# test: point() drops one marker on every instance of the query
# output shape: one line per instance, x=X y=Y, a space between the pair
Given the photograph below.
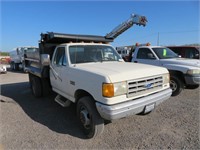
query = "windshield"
x=164 y=53
x=92 y=53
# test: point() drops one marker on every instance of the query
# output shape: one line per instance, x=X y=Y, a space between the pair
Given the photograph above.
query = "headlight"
x=193 y=72
x=166 y=78
x=114 y=89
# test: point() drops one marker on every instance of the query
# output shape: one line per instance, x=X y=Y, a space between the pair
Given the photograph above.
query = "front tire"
x=176 y=85
x=90 y=120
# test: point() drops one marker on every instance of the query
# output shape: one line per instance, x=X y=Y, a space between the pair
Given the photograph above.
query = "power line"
x=183 y=31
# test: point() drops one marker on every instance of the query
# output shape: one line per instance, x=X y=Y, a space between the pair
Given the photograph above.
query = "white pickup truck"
x=183 y=72
x=92 y=75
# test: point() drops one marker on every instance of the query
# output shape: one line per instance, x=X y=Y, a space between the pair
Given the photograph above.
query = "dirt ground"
x=30 y=123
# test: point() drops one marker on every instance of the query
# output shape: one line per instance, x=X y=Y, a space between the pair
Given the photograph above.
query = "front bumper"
x=131 y=107
x=192 y=80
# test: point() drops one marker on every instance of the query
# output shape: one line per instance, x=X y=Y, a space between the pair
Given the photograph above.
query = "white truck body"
x=187 y=70
x=17 y=57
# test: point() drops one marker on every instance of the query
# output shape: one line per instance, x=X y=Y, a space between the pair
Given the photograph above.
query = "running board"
x=62 y=101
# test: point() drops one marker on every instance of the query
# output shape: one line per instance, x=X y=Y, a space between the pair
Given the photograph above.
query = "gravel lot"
x=30 y=123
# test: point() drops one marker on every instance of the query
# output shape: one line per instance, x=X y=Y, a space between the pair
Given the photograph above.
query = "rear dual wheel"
x=36 y=85
x=39 y=86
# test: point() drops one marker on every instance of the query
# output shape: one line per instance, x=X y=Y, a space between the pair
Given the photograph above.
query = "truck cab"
x=183 y=72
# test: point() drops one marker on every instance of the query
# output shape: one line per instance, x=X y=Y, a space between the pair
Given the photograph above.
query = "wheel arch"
x=81 y=93
x=178 y=74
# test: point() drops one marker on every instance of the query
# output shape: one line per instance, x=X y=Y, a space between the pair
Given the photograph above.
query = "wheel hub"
x=85 y=120
x=173 y=85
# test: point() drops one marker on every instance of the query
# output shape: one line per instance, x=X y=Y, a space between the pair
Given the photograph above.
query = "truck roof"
x=150 y=46
x=59 y=38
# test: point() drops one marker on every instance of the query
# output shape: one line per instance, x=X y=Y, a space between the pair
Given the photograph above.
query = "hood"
x=122 y=71
x=182 y=61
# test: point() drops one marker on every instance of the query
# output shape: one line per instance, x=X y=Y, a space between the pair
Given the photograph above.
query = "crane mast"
x=134 y=19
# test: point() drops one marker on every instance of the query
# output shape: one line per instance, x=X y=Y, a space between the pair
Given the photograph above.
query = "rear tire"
x=90 y=120
x=30 y=79
x=11 y=66
x=46 y=87
x=36 y=86
x=176 y=85
x=16 y=66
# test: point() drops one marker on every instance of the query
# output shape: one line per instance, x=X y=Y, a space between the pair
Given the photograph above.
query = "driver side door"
x=146 y=56
x=58 y=65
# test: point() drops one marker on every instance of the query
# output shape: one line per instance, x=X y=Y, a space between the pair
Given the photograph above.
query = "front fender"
x=175 y=67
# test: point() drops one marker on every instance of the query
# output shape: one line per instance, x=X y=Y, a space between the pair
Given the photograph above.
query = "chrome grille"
x=144 y=86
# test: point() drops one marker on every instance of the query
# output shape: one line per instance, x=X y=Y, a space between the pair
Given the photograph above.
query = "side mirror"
x=196 y=56
x=45 y=59
x=150 y=56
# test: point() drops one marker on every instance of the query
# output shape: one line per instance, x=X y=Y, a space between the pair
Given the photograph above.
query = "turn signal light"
x=108 y=90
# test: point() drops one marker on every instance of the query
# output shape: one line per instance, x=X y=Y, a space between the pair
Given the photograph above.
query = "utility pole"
x=158 y=39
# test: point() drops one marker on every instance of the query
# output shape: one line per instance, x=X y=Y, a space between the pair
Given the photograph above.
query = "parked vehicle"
x=127 y=51
x=17 y=57
x=3 y=68
x=124 y=52
x=183 y=72
x=186 y=51
x=87 y=71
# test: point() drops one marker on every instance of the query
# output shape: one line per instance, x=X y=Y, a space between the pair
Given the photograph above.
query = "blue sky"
x=177 y=22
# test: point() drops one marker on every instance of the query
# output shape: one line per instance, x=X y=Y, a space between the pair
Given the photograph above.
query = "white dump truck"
x=17 y=57
x=87 y=71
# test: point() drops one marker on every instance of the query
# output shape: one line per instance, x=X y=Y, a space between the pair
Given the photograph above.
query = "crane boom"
x=134 y=19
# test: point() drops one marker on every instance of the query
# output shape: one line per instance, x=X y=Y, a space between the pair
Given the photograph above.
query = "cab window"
x=190 y=52
x=60 y=57
x=145 y=53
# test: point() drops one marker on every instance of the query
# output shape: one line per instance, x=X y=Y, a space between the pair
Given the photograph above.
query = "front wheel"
x=90 y=120
x=176 y=85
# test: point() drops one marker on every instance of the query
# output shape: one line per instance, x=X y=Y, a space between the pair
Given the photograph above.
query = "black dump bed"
x=50 y=40
x=52 y=37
